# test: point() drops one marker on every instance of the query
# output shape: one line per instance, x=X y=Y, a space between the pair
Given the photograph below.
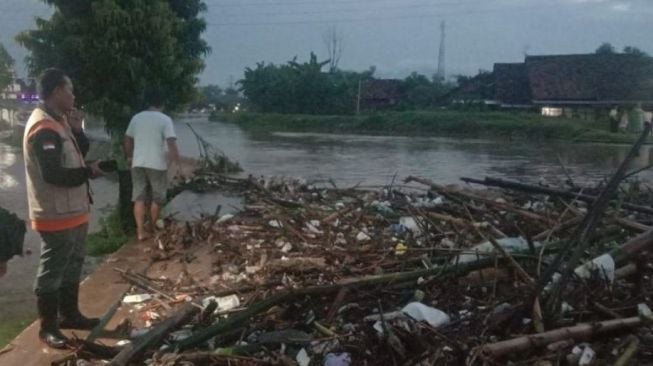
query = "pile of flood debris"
x=415 y=273
x=409 y=274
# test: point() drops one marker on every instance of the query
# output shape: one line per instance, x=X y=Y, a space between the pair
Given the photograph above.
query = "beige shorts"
x=149 y=185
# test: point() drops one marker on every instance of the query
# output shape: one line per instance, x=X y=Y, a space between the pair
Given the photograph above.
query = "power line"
x=295 y=3
x=347 y=10
x=367 y=19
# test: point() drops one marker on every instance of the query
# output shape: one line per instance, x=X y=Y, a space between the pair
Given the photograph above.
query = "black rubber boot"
x=48 y=307
x=71 y=317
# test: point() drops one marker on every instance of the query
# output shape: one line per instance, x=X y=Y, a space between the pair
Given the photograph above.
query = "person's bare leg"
x=139 y=215
x=155 y=210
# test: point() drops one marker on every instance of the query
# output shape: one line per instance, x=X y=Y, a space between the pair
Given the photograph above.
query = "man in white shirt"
x=145 y=148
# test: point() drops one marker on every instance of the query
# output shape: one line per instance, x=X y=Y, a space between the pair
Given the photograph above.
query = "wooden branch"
x=236 y=320
x=499 y=205
x=580 y=240
x=210 y=358
x=135 y=349
x=632 y=225
x=629 y=352
x=580 y=331
x=144 y=283
x=104 y=320
x=518 y=186
x=633 y=247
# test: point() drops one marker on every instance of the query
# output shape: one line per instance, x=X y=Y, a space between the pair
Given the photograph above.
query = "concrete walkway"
x=98 y=292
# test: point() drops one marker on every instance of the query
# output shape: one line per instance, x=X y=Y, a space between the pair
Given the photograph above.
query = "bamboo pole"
x=579 y=331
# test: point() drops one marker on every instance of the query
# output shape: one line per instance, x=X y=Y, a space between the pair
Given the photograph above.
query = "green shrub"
x=109 y=239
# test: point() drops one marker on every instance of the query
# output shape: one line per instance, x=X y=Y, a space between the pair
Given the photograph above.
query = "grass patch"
x=110 y=238
x=10 y=328
x=507 y=125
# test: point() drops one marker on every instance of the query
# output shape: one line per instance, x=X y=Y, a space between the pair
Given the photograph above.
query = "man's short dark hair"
x=154 y=98
x=49 y=80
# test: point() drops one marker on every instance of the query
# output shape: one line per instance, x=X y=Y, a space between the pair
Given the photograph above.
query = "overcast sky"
x=396 y=36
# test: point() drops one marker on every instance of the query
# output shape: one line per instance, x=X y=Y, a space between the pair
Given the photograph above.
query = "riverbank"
x=502 y=125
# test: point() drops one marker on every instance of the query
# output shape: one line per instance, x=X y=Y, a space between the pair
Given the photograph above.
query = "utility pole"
x=441 y=56
x=358 y=98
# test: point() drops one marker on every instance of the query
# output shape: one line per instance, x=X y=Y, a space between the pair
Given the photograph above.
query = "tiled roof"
x=590 y=77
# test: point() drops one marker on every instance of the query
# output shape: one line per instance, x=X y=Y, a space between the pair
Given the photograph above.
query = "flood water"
x=376 y=160
x=347 y=159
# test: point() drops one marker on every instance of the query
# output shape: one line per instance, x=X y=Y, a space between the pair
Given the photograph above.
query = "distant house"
x=575 y=81
x=380 y=93
x=20 y=89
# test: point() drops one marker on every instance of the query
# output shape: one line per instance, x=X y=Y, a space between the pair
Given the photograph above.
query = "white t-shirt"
x=150 y=129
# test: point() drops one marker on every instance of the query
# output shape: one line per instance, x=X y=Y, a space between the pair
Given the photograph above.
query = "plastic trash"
x=314 y=228
x=410 y=223
x=135 y=299
x=362 y=236
x=287 y=247
x=514 y=244
x=275 y=223
x=337 y=359
x=302 y=358
x=400 y=249
x=180 y=335
x=224 y=218
x=224 y=303
x=398 y=228
x=421 y=312
x=587 y=354
x=603 y=265
x=383 y=208
x=643 y=311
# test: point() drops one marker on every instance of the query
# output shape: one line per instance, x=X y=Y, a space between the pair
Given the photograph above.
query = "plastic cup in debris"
x=224 y=303
x=337 y=359
x=135 y=299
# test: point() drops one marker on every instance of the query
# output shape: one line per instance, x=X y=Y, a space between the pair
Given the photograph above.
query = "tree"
x=334 y=42
x=114 y=50
x=301 y=88
x=605 y=48
x=630 y=50
x=6 y=64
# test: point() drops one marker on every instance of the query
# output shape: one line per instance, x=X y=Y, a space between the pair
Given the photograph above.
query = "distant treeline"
x=314 y=88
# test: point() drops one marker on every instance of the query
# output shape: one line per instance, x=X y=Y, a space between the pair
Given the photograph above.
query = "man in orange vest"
x=54 y=146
